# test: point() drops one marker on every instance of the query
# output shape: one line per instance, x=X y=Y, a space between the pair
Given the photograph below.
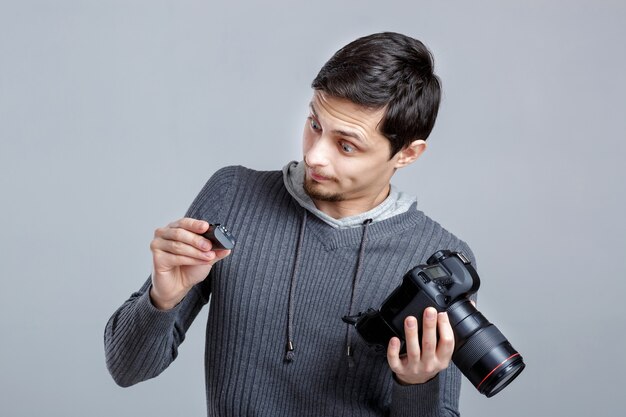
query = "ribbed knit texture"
x=246 y=373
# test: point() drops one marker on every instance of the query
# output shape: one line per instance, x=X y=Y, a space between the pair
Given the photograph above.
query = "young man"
x=327 y=237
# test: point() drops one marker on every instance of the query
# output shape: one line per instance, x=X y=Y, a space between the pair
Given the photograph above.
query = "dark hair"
x=387 y=70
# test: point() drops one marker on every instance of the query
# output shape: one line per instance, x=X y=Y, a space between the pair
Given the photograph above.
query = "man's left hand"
x=420 y=365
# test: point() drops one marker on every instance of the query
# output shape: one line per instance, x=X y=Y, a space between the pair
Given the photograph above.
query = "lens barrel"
x=482 y=352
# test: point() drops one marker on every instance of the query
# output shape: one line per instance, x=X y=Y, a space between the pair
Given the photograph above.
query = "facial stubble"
x=312 y=188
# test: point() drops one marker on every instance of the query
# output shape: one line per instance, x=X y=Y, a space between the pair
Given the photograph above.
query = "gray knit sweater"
x=291 y=277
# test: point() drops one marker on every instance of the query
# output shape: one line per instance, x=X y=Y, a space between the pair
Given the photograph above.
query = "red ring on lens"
x=494 y=369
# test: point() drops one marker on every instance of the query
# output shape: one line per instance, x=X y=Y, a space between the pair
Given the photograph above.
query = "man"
x=325 y=238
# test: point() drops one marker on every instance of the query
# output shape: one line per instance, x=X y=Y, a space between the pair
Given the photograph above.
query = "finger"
x=161 y=246
x=221 y=254
x=177 y=234
x=445 y=345
x=193 y=225
x=411 y=337
x=393 y=355
x=429 y=334
x=166 y=260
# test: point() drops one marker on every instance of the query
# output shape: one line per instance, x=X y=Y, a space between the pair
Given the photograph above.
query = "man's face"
x=347 y=158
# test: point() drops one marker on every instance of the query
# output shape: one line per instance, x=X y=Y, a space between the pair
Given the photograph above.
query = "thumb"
x=221 y=254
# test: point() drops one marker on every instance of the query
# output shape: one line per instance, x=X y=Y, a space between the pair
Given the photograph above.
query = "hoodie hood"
x=396 y=202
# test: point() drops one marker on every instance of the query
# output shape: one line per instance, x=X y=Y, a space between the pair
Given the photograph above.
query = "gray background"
x=114 y=113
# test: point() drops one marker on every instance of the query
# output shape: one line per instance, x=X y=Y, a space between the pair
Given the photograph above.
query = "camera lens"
x=482 y=353
x=501 y=375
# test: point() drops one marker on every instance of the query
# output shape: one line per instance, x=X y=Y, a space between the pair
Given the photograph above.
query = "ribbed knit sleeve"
x=140 y=340
x=438 y=397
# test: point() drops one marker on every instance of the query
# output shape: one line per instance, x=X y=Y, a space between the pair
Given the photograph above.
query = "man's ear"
x=409 y=154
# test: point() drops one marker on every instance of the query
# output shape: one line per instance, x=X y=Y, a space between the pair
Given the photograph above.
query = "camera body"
x=446 y=283
x=448 y=277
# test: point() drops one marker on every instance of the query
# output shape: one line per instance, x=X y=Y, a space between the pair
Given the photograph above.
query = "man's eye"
x=347 y=148
x=314 y=124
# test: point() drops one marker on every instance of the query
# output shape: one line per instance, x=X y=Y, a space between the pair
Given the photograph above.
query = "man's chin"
x=316 y=192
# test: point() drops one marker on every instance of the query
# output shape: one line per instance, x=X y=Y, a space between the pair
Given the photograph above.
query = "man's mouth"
x=317 y=176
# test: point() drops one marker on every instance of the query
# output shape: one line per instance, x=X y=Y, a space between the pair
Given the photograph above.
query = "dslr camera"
x=481 y=351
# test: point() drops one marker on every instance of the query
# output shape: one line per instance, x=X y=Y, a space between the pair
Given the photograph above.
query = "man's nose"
x=318 y=153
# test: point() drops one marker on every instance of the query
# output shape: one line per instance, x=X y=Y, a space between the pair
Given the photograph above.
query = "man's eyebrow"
x=340 y=132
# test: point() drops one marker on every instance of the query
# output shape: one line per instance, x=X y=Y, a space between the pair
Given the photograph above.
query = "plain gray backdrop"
x=114 y=113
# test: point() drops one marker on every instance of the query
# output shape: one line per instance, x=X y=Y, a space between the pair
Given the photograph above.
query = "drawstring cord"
x=355 y=278
x=289 y=353
x=292 y=283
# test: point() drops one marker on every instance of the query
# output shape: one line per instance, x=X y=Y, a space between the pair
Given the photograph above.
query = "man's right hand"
x=181 y=257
